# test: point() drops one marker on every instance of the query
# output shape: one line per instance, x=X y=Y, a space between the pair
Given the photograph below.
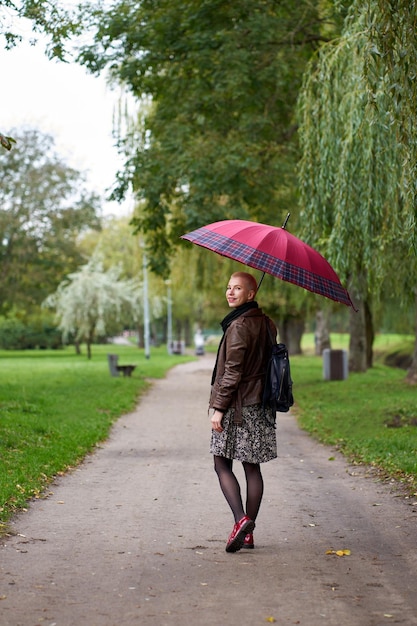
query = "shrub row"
x=36 y=333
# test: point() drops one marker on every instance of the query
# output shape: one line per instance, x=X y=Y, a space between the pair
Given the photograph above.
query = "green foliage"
x=34 y=331
x=55 y=407
x=12 y=333
x=117 y=244
x=358 y=147
x=43 y=208
x=218 y=140
x=359 y=159
x=391 y=57
x=53 y=19
x=89 y=300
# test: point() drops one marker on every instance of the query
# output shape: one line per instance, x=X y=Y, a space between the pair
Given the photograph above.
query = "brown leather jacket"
x=242 y=363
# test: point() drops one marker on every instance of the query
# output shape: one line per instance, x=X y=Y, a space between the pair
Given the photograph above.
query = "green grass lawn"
x=370 y=417
x=55 y=406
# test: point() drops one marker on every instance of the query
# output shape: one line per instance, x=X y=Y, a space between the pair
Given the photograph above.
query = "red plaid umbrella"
x=274 y=251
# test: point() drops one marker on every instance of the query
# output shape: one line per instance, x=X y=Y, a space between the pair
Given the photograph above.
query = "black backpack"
x=278 y=383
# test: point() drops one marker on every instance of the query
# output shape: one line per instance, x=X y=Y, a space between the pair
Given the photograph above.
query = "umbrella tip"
x=286 y=220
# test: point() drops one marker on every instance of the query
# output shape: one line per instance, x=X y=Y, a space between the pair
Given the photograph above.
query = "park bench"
x=115 y=369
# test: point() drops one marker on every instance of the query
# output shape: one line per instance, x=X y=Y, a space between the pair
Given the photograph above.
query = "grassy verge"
x=55 y=406
x=370 y=417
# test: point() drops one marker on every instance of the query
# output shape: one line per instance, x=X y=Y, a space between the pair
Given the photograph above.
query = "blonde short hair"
x=249 y=280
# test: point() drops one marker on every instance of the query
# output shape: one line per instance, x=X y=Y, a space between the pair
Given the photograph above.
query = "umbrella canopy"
x=275 y=251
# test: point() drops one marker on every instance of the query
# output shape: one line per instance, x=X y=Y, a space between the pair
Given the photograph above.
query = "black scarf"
x=225 y=323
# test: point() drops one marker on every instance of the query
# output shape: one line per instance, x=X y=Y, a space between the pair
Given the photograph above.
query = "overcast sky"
x=67 y=103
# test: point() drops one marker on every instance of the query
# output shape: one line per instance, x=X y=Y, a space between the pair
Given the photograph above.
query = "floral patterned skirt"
x=253 y=441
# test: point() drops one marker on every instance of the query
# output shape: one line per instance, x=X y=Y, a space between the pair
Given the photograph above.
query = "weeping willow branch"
x=358 y=166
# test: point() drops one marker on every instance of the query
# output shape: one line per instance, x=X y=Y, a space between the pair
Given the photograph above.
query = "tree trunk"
x=412 y=372
x=141 y=336
x=187 y=332
x=322 y=334
x=90 y=340
x=369 y=334
x=357 y=342
x=291 y=331
x=154 y=334
x=77 y=347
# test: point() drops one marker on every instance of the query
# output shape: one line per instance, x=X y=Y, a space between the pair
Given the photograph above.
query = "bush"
x=12 y=332
x=37 y=332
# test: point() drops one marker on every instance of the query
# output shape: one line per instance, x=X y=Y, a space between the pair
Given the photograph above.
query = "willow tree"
x=358 y=163
x=91 y=300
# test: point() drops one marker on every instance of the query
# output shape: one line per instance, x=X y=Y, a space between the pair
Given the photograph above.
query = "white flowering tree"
x=92 y=298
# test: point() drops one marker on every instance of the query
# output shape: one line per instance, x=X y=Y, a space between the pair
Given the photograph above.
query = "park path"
x=136 y=534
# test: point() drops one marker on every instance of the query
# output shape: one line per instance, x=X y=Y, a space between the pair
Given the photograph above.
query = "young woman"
x=242 y=429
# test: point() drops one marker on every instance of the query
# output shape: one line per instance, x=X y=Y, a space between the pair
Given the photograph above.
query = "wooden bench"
x=126 y=369
x=115 y=369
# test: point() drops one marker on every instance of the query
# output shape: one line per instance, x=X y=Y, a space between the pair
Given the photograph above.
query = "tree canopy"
x=358 y=166
x=91 y=299
x=56 y=20
x=358 y=150
x=44 y=206
x=219 y=82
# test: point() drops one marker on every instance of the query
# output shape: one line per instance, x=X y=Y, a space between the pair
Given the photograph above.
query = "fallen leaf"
x=6 y=142
x=339 y=552
x=270 y=619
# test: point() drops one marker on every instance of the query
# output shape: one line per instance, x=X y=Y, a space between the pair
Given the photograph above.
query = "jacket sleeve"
x=226 y=384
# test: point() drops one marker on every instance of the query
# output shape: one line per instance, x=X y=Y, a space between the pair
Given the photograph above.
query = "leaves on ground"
x=339 y=552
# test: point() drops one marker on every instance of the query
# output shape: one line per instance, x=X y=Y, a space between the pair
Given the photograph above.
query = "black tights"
x=231 y=488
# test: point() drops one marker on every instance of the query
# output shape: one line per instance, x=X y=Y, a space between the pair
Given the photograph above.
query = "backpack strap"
x=268 y=328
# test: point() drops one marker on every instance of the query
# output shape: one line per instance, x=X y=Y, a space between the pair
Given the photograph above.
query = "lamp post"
x=169 y=317
x=146 y=333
